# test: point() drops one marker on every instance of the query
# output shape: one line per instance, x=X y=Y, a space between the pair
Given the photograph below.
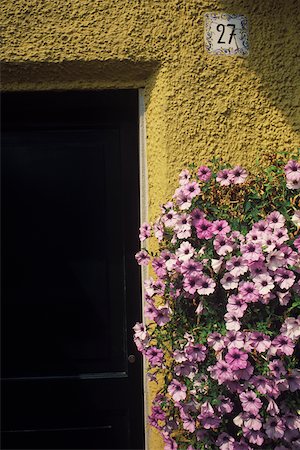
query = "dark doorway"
x=70 y=285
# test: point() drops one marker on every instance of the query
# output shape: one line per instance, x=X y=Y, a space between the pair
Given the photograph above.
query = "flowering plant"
x=222 y=313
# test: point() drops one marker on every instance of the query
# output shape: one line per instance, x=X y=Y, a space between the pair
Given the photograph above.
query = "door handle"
x=131 y=359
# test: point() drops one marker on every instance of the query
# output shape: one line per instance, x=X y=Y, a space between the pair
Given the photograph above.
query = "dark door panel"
x=63 y=423
x=69 y=281
x=62 y=262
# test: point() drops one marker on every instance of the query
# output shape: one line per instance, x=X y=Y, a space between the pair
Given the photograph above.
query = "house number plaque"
x=226 y=34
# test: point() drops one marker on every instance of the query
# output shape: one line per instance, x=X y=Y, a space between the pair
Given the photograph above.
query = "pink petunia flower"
x=182 y=227
x=272 y=407
x=261 y=226
x=221 y=372
x=220 y=227
x=204 y=173
x=282 y=345
x=268 y=241
x=171 y=261
x=275 y=428
x=158 y=230
x=250 y=402
x=292 y=167
x=297 y=243
x=196 y=216
x=225 y=442
x=143 y=258
x=237 y=305
x=284 y=298
x=155 y=356
x=248 y=291
x=251 y=251
x=281 y=235
x=216 y=264
x=170 y=218
x=196 y=352
x=254 y=236
x=186 y=369
x=184 y=176
x=206 y=285
x=159 y=266
x=162 y=315
x=207 y=417
x=191 y=189
x=188 y=423
x=263 y=385
x=215 y=341
x=191 y=268
x=204 y=229
x=275 y=220
x=179 y=356
x=291 y=328
x=293 y=180
x=192 y=283
x=234 y=339
x=277 y=368
x=293 y=379
x=238 y=175
x=223 y=245
x=177 y=390
x=224 y=177
x=145 y=231
x=150 y=311
x=284 y=278
x=226 y=405
x=237 y=266
x=291 y=257
x=232 y=322
x=183 y=200
x=259 y=341
x=263 y=283
x=236 y=359
x=258 y=267
x=229 y=281
x=275 y=259
x=185 y=251
x=159 y=287
x=253 y=421
x=254 y=437
x=292 y=421
x=246 y=373
x=140 y=331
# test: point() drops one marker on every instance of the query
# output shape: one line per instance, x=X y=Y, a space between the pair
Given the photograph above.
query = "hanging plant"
x=223 y=309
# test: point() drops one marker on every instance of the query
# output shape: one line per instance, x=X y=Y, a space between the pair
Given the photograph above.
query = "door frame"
x=143 y=177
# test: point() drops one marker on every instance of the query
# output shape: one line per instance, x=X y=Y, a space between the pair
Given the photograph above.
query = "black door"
x=70 y=285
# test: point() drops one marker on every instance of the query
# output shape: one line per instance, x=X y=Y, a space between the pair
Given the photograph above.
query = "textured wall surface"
x=197 y=105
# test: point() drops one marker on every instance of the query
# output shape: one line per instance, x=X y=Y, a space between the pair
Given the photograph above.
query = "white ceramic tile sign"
x=226 y=34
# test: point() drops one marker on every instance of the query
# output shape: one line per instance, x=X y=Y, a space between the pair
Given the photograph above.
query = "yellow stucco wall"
x=197 y=105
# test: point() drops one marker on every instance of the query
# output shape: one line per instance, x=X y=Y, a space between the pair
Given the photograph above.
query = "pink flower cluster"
x=292 y=173
x=222 y=324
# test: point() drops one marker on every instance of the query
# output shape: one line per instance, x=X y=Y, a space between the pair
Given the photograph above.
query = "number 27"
x=221 y=29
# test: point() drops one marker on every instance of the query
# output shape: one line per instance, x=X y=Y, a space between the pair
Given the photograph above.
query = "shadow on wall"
x=274 y=50
x=76 y=74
